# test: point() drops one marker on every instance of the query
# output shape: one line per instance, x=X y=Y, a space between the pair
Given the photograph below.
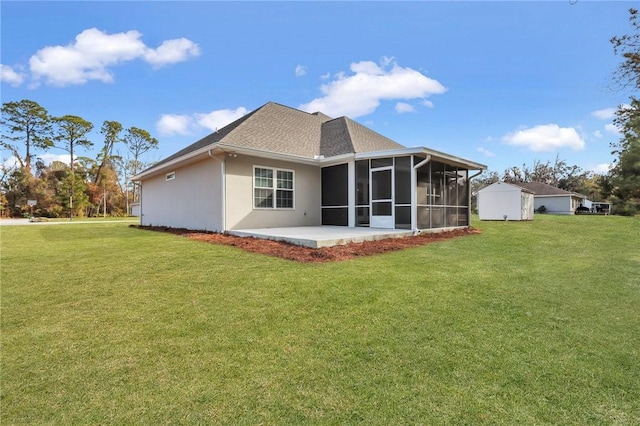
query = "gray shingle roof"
x=540 y=188
x=280 y=129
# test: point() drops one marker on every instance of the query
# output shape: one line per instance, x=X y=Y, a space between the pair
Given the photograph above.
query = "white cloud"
x=301 y=70
x=546 y=137
x=486 y=152
x=175 y=124
x=360 y=93
x=94 y=52
x=402 y=107
x=597 y=134
x=10 y=162
x=601 y=168
x=217 y=119
x=49 y=158
x=171 y=52
x=325 y=76
x=604 y=114
x=612 y=128
x=11 y=76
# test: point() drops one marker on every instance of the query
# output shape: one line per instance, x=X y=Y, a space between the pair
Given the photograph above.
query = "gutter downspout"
x=414 y=193
x=223 y=185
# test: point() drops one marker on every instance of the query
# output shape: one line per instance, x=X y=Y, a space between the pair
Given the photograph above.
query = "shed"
x=504 y=201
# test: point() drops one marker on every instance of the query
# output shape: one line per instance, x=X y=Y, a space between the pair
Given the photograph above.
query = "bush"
x=625 y=207
x=541 y=209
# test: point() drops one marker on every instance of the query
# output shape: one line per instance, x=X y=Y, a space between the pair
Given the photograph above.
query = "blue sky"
x=500 y=83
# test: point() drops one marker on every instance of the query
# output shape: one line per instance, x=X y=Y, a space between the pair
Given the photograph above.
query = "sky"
x=500 y=83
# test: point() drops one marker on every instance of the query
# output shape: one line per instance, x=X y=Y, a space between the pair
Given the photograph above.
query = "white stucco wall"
x=499 y=200
x=554 y=205
x=191 y=200
x=240 y=213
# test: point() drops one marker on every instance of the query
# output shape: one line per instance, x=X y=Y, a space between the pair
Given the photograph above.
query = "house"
x=281 y=167
x=504 y=201
x=555 y=200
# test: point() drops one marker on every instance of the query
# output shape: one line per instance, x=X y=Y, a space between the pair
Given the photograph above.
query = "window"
x=170 y=176
x=272 y=188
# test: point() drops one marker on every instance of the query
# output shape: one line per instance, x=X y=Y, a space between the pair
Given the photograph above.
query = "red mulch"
x=306 y=254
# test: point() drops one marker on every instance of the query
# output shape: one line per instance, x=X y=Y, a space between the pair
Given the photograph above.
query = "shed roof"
x=505 y=185
x=544 y=189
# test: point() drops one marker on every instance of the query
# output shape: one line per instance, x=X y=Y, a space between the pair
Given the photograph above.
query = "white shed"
x=504 y=201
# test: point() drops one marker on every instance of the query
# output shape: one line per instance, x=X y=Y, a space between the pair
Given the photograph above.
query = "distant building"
x=555 y=200
x=504 y=201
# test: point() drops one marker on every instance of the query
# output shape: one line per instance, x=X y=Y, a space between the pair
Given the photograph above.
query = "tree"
x=138 y=142
x=625 y=173
x=111 y=131
x=628 y=72
x=25 y=123
x=71 y=131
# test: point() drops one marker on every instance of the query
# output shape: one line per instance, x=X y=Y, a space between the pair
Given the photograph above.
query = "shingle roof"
x=280 y=129
x=540 y=188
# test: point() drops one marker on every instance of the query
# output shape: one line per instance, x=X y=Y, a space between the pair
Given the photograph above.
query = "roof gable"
x=504 y=186
x=280 y=129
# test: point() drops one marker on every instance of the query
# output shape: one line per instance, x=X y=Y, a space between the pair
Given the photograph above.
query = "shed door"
x=382 y=198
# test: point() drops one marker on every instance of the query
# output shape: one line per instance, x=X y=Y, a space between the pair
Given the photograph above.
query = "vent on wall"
x=170 y=176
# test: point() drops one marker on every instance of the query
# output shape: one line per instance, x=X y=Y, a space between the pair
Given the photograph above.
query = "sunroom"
x=414 y=189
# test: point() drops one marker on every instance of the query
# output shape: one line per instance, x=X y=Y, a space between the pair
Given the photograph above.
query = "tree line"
x=84 y=187
x=621 y=185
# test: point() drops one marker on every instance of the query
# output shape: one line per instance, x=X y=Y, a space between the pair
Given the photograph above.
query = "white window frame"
x=274 y=188
x=170 y=176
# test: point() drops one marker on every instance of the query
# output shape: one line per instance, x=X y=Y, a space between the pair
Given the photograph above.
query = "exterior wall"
x=191 y=200
x=240 y=213
x=554 y=205
x=528 y=206
x=499 y=200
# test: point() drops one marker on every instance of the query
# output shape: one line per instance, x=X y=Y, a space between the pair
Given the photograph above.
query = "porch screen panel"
x=463 y=216
x=335 y=186
x=362 y=193
x=436 y=189
x=424 y=217
x=463 y=188
x=442 y=196
x=335 y=195
x=362 y=216
x=335 y=216
x=362 y=182
x=381 y=162
x=403 y=217
x=403 y=180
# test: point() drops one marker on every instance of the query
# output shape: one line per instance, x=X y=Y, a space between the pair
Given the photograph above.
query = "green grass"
x=528 y=323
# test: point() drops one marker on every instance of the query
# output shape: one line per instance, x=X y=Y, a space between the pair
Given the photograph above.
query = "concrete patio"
x=322 y=236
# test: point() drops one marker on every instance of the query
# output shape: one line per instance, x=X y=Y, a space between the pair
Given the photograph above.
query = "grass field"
x=526 y=323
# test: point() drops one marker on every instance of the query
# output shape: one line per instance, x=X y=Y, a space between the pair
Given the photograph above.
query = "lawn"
x=527 y=323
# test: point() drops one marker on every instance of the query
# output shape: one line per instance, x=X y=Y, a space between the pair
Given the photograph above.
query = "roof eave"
x=471 y=165
x=267 y=154
x=171 y=164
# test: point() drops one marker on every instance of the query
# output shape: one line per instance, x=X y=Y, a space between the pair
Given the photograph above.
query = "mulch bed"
x=310 y=255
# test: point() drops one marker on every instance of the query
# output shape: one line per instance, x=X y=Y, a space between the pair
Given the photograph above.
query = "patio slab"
x=322 y=236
